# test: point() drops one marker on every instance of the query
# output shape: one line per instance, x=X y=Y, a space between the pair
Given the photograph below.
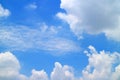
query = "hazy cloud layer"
x=92 y=17
x=40 y=38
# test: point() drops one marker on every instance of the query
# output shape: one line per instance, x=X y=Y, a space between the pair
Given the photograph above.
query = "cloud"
x=102 y=66
x=43 y=38
x=92 y=17
x=31 y=6
x=39 y=75
x=4 y=12
x=62 y=72
x=9 y=67
x=59 y=73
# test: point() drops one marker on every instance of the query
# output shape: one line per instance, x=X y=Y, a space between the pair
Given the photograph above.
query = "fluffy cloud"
x=62 y=72
x=38 y=75
x=102 y=66
x=42 y=38
x=9 y=67
x=59 y=73
x=92 y=17
x=4 y=12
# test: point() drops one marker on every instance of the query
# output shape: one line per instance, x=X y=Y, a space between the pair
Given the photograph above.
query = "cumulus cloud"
x=102 y=65
x=39 y=75
x=59 y=73
x=4 y=12
x=62 y=72
x=42 y=38
x=9 y=67
x=92 y=17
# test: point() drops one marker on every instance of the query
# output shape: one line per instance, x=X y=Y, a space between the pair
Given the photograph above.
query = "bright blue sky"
x=41 y=32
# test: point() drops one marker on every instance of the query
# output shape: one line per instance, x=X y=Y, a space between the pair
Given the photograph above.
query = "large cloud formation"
x=101 y=66
x=92 y=17
x=10 y=67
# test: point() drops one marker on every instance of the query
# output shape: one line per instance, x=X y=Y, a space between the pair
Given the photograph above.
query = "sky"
x=59 y=40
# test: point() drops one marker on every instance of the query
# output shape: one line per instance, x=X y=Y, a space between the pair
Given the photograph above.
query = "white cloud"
x=102 y=66
x=42 y=38
x=39 y=75
x=4 y=12
x=62 y=72
x=59 y=73
x=9 y=67
x=31 y=6
x=116 y=74
x=93 y=17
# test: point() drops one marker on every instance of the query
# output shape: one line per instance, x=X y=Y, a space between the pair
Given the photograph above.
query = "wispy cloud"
x=31 y=6
x=42 y=38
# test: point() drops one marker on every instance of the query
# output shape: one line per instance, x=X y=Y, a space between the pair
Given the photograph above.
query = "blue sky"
x=59 y=40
